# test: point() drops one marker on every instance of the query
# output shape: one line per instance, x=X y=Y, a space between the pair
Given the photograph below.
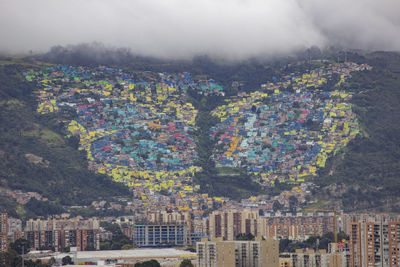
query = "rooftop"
x=141 y=253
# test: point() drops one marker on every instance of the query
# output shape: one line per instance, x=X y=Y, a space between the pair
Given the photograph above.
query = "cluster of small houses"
x=20 y=196
x=133 y=127
x=136 y=127
x=285 y=134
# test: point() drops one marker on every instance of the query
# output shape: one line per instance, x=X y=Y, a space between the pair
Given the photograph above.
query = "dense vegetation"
x=13 y=256
x=186 y=263
x=238 y=184
x=150 y=263
x=368 y=170
x=313 y=242
x=119 y=240
x=34 y=155
x=8 y=205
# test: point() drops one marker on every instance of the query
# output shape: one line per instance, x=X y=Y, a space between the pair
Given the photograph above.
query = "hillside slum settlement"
x=287 y=130
x=138 y=127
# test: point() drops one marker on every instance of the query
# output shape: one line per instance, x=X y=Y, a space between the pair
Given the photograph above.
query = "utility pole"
x=23 y=255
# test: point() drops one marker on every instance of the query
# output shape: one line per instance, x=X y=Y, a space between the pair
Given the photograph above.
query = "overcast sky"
x=184 y=28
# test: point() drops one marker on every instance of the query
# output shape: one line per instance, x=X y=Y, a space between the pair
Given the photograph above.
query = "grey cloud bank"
x=185 y=28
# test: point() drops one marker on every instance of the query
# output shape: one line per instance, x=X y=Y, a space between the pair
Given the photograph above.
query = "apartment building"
x=346 y=219
x=228 y=224
x=3 y=232
x=218 y=253
x=298 y=226
x=57 y=234
x=375 y=243
x=14 y=226
x=168 y=217
x=312 y=258
x=160 y=234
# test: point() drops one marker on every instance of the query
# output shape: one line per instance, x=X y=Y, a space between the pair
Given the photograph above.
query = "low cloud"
x=234 y=29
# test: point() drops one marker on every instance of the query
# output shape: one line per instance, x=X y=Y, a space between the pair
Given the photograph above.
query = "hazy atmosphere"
x=159 y=133
x=183 y=28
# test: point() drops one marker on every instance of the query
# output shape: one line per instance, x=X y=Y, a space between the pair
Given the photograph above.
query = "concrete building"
x=58 y=234
x=3 y=232
x=56 y=240
x=293 y=226
x=375 y=243
x=228 y=224
x=14 y=226
x=285 y=262
x=159 y=235
x=168 y=217
x=298 y=226
x=345 y=219
x=218 y=253
x=55 y=224
x=311 y=258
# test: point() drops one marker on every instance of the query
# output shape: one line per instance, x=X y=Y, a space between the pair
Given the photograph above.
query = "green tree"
x=10 y=258
x=66 y=260
x=150 y=263
x=248 y=236
x=127 y=246
x=90 y=248
x=186 y=263
x=277 y=206
x=119 y=240
x=293 y=202
x=19 y=245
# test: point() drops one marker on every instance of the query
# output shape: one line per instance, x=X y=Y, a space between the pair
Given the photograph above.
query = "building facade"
x=3 y=232
x=298 y=226
x=59 y=234
x=294 y=226
x=14 y=226
x=159 y=235
x=375 y=243
x=261 y=253
x=345 y=219
x=228 y=224
x=320 y=258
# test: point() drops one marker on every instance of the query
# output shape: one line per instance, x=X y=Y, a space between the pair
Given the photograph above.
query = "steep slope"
x=363 y=175
x=366 y=175
x=35 y=156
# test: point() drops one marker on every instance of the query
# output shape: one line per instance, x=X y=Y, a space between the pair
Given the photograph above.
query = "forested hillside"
x=367 y=172
x=34 y=155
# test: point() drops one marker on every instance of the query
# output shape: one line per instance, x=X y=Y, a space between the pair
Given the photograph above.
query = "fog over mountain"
x=234 y=29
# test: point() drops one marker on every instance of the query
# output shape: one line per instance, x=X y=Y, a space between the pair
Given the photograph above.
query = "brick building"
x=298 y=226
x=58 y=234
x=375 y=243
